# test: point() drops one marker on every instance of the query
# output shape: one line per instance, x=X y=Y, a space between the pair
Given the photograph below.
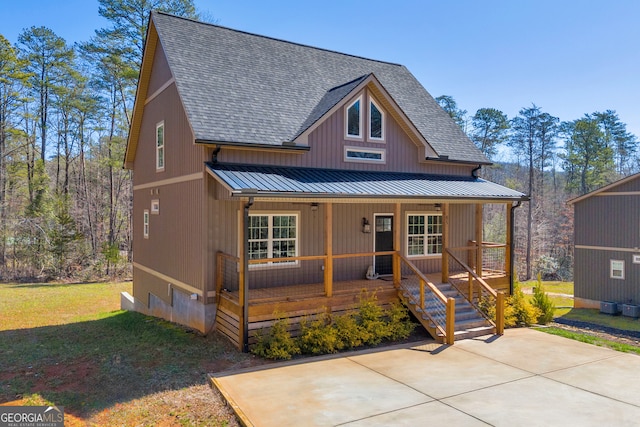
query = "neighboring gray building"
x=607 y=244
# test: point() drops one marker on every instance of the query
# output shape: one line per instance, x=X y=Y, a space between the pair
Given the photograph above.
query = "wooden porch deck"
x=296 y=302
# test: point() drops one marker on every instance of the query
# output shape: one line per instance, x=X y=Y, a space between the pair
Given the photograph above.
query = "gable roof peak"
x=247 y=33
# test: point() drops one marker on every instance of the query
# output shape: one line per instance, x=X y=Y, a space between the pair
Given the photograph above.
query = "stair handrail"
x=499 y=296
x=448 y=330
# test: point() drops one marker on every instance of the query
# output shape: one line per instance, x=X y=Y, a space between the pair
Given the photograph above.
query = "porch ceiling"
x=312 y=183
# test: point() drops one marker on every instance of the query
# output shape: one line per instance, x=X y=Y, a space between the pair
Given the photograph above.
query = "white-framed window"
x=358 y=154
x=636 y=259
x=273 y=235
x=155 y=207
x=353 y=119
x=145 y=224
x=424 y=234
x=616 y=269
x=160 y=157
x=376 y=122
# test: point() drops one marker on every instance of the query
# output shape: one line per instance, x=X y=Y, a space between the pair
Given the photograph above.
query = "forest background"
x=65 y=200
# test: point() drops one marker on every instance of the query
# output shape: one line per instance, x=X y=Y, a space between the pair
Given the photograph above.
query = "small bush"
x=277 y=343
x=318 y=336
x=543 y=303
x=370 y=318
x=350 y=334
x=518 y=311
x=400 y=324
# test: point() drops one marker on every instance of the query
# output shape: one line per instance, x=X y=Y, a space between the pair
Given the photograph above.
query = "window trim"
x=423 y=255
x=360 y=119
x=267 y=264
x=380 y=151
x=145 y=224
x=611 y=269
x=636 y=259
x=161 y=147
x=382 y=121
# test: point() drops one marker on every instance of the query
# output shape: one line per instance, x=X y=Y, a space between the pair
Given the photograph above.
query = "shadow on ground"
x=90 y=366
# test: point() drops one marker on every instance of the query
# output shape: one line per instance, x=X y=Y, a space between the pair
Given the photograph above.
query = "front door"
x=384 y=242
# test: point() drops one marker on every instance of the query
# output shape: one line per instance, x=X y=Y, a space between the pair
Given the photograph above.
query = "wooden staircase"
x=469 y=322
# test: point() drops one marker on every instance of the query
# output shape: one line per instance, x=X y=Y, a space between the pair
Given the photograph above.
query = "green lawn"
x=594 y=316
x=552 y=287
x=70 y=345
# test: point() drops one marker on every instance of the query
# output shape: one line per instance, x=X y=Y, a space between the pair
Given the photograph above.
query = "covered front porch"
x=321 y=250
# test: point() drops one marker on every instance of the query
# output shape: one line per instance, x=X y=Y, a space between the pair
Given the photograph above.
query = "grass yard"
x=70 y=345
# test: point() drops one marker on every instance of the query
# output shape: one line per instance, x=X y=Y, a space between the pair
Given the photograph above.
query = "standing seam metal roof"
x=310 y=182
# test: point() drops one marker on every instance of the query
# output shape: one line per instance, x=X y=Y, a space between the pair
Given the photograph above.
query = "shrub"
x=400 y=324
x=518 y=311
x=349 y=333
x=370 y=318
x=543 y=303
x=318 y=336
x=277 y=343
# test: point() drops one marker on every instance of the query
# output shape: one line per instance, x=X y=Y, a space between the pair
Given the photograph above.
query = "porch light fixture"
x=437 y=207
x=366 y=227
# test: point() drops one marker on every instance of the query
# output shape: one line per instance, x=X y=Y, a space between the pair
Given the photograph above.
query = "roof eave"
x=286 y=146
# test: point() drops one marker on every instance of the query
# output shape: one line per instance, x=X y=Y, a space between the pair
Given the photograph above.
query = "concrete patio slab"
x=533 y=351
x=617 y=377
x=524 y=378
x=440 y=372
x=437 y=414
x=540 y=401
x=326 y=392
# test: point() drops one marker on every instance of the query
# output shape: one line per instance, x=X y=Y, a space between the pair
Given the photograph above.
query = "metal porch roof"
x=296 y=182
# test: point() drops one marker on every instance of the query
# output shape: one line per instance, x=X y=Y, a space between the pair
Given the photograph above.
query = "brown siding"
x=174 y=246
x=161 y=72
x=327 y=144
x=182 y=156
x=225 y=217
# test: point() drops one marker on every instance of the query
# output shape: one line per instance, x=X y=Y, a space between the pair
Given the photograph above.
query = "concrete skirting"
x=183 y=310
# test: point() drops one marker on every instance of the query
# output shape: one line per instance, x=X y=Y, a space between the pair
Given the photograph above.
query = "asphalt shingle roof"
x=312 y=182
x=245 y=88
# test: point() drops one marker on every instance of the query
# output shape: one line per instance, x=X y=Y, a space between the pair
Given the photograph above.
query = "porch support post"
x=479 y=239
x=445 y=242
x=328 y=249
x=397 y=229
x=243 y=291
x=507 y=250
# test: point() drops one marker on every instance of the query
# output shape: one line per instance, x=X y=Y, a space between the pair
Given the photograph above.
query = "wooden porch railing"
x=485 y=293
x=439 y=310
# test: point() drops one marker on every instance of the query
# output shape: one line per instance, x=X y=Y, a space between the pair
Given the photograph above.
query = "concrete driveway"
x=524 y=378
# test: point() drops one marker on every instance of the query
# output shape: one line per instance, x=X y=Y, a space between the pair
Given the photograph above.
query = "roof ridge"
x=274 y=38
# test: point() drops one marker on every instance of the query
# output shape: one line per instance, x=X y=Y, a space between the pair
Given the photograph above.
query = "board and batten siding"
x=174 y=253
x=607 y=227
x=161 y=73
x=225 y=220
x=593 y=281
x=182 y=156
x=327 y=150
x=175 y=244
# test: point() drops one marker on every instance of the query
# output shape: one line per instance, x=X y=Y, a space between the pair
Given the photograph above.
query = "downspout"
x=245 y=285
x=474 y=172
x=512 y=243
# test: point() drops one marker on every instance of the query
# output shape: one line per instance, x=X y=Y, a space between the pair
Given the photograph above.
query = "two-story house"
x=272 y=176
